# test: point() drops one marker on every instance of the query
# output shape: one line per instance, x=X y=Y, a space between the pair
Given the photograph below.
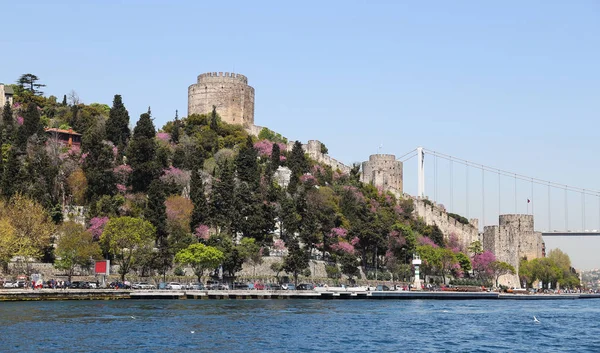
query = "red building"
x=65 y=137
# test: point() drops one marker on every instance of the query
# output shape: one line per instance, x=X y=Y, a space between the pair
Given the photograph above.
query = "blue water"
x=300 y=326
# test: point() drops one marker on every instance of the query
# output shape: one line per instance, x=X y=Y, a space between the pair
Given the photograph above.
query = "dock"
x=120 y=294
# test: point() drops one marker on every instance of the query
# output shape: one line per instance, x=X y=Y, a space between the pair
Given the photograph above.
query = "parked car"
x=240 y=285
x=217 y=286
x=195 y=286
x=174 y=285
x=382 y=287
x=143 y=285
x=259 y=286
x=288 y=286
x=20 y=284
x=10 y=285
x=79 y=285
x=272 y=286
x=305 y=286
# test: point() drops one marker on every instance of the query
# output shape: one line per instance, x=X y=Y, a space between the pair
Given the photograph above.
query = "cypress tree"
x=297 y=161
x=247 y=165
x=222 y=199
x=175 y=130
x=7 y=123
x=275 y=156
x=117 y=125
x=98 y=164
x=64 y=102
x=31 y=125
x=156 y=210
x=214 y=120
x=10 y=177
x=141 y=154
x=201 y=211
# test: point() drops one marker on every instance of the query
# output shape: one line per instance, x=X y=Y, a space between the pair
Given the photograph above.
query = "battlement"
x=382 y=157
x=221 y=76
x=522 y=222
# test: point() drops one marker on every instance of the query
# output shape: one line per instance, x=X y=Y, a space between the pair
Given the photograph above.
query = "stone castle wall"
x=432 y=214
x=383 y=171
x=229 y=92
x=313 y=149
x=513 y=239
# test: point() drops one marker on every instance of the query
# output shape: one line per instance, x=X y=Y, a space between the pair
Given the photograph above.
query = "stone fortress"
x=228 y=92
x=512 y=240
x=384 y=171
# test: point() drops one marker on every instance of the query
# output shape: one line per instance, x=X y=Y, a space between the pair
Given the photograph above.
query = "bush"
x=470 y=282
x=381 y=276
x=178 y=271
x=459 y=218
x=332 y=271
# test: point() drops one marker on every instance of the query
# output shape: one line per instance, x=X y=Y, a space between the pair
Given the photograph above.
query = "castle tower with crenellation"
x=229 y=92
x=383 y=171
x=513 y=239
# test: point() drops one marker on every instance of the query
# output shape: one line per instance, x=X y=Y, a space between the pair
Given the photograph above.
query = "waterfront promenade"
x=111 y=294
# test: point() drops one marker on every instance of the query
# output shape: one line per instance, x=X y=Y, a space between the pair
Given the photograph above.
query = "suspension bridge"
x=474 y=190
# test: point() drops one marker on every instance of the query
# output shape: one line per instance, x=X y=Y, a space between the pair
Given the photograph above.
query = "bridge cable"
x=435 y=187
x=532 y=203
x=549 y=211
x=406 y=154
x=482 y=197
x=566 y=211
x=451 y=187
x=583 y=211
x=512 y=174
x=467 y=190
x=516 y=194
x=499 y=195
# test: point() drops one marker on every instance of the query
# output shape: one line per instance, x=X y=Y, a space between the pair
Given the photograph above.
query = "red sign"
x=102 y=267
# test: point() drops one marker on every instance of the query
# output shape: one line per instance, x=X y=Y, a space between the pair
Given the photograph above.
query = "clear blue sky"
x=513 y=85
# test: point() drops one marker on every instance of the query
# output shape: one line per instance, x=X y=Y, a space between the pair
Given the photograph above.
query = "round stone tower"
x=384 y=171
x=229 y=92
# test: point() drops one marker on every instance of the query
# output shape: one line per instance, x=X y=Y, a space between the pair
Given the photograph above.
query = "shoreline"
x=119 y=294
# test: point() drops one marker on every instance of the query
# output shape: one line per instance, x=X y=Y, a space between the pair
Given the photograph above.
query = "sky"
x=513 y=85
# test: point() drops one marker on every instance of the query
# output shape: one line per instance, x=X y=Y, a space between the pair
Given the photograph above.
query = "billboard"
x=102 y=267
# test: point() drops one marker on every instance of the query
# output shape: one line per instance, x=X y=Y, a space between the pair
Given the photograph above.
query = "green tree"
x=155 y=211
x=222 y=199
x=500 y=268
x=296 y=261
x=31 y=126
x=98 y=164
x=175 y=131
x=117 y=125
x=64 y=101
x=247 y=166
x=141 y=154
x=464 y=262
x=8 y=124
x=12 y=178
x=214 y=120
x=123 y=237
x=251 y=252
x=75 y=247
x=275 y=157
x=476 y=248
x=201 y=211
x=349 y=264
x=32 y=225
x=28 y=82
x=200 y=257
x=297 y=161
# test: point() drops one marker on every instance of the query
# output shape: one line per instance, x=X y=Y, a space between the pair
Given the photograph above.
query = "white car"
x=174 y=285
x=10 y=285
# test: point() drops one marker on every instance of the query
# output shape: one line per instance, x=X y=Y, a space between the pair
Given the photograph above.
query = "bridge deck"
x=570 y=234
